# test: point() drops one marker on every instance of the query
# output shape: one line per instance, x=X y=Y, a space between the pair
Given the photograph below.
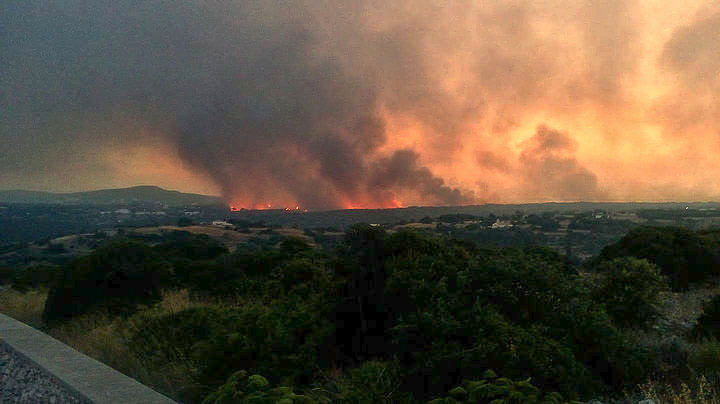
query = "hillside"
x=142 y=194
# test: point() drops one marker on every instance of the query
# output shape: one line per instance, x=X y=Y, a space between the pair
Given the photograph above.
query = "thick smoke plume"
x=363 y=103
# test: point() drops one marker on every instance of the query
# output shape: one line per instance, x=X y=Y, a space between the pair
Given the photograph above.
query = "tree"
x=184 y=222
x=682 y=255
x=630 y=289
x=117 y=277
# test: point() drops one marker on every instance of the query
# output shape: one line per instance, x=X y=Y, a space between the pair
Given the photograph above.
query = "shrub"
x=375 y=382
x=211 y=279
x=708 y=324
x=6 y=275
x=185 y=245
x=442 y=351
x=630 y=289
x=369 y=382
x=184 y=222
x=118 y=277
x=282 y=342
x=160 y=340
x=498 y=390
x=26 y=307
x=56 y=248
x=255 y=389
x=704 y=357
x=682 y=255
x=670 y=359
x=34 y=277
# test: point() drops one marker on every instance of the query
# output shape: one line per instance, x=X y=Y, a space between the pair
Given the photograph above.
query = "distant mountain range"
x=140 y=194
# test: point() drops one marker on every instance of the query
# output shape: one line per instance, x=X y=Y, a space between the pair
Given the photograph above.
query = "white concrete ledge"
x=83 y=376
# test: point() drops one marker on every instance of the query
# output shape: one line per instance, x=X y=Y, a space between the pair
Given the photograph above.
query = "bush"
x=682 y=255
x=630 y=289
x=375 y=382
x=280 y=341
x=160 y=340
x=185 y=245
x=670 y=360
x=499 y=390
x=6 y=275
x=118 y=277
x=255 y=389
x=286 y=342
x=708 y=324
x=34 y=277
x=56 y=248
x=265 y=274
x=704 y=357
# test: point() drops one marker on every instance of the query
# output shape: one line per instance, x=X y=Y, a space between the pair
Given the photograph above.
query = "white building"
x=501 y=224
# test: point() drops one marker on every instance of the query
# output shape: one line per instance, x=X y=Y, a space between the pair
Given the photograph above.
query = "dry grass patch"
x=703 y=391
x=108 y=341
x=682 y=309
x=26 y=307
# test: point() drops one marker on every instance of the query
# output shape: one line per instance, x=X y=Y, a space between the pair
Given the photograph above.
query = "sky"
x=364 y=103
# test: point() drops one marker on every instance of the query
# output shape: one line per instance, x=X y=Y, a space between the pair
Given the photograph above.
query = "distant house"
x=221 y=223
x=501 y=224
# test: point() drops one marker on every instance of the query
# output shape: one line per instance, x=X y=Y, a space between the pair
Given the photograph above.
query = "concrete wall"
x=50 y=371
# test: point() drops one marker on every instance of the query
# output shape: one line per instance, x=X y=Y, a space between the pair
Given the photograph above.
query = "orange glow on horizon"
x=393 y=204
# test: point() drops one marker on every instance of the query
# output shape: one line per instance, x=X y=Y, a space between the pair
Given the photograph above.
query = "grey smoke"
x=549 y=167
x=248 y=100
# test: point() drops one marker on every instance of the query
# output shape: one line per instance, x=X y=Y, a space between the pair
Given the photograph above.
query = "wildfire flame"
x=235 y=207
x=295 y=207
x=393 y=204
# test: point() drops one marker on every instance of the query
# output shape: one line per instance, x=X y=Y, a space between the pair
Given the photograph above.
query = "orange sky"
x=469 y=101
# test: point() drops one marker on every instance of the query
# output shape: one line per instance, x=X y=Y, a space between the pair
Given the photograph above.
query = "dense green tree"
x=682 y=255
x=117 y=277
x=630 y=289
x=185 y=245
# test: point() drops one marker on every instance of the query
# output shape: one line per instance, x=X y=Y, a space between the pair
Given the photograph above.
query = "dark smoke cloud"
x=249 y=98
x=403 y=170
x=550 y=168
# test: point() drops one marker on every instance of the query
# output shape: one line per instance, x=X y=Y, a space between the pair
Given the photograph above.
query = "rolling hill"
x=139 y=194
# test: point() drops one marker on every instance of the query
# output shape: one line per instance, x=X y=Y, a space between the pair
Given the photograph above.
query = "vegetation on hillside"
x=384 y=317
